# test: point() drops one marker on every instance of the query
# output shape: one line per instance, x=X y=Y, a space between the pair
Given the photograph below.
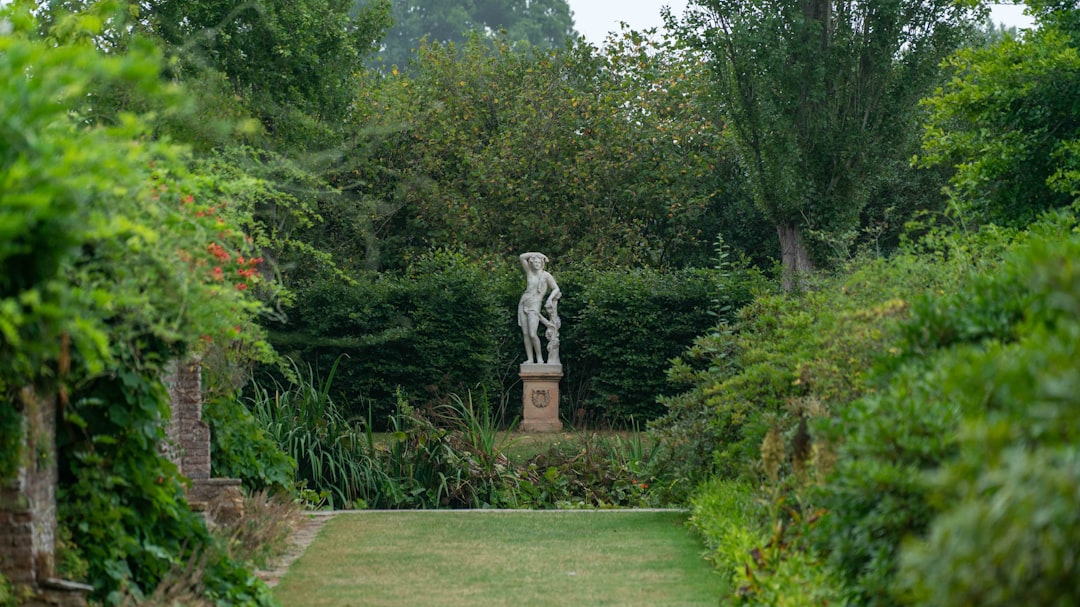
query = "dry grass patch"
x=459 y=558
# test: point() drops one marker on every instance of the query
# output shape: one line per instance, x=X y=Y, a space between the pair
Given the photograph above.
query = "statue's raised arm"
x=525 y=257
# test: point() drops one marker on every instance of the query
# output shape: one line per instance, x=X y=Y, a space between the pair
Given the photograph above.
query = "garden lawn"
x=512 y=558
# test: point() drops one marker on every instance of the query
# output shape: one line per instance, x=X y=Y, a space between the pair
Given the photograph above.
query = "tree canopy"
x=1008 y=120
x=604 y=158
x=541 y=24
x=820 y=96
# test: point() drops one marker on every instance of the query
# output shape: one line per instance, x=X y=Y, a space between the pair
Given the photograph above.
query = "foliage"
x=277 y=82
x=306 y=424
x=1008 y=123
x=439 y=329
x=785 y=356
x=727 y=516
x=600 y=473
x=480 y=430
x=452 y=456
x=240 y=447
x=920 y=438
x=11 y=435
x=627 y=171
x=116 y=258
x=133 y=524
x=763 y=556
x=1010 y=541
x=340 y=462
x=293 y=65
x=942 y=447
x=7 y=593
x=631 y=323
x=539 y=24
x=820 y=98
x=447 y=327
x=70 y=563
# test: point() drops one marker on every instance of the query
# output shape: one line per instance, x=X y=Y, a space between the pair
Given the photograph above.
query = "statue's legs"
x=533 y=353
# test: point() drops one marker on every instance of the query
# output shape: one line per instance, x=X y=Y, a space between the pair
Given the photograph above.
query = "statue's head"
x=537 y=261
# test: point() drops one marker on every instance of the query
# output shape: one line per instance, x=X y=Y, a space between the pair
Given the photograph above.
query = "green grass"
x=468 y=558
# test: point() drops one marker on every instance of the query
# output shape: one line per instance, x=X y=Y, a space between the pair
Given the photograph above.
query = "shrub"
x=447 y=325
x=130 y=521
x=877 y=494
x=727 y=515
x=240 y=447
x=331 y=450
x=7 y=593
x=784 y=356
x=1011 y=540
x=941 y=452
x=435 y=330
x=263 y=532
x=628 y=325
x=10 y=439
x=114 y=257
x=598 y=473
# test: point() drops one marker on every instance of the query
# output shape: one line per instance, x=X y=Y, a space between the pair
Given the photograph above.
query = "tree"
x=1008 y=121
x=276 y=82
x=293 y=64
x=819 y=95
x=600 y=158
x=539 y=23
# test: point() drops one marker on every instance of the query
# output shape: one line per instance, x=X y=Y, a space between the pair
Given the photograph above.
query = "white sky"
x=595 y=18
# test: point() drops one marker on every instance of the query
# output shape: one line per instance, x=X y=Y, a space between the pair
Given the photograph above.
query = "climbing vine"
x=115 y=257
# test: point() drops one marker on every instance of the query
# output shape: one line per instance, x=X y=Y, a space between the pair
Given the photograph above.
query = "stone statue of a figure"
x=538 y=284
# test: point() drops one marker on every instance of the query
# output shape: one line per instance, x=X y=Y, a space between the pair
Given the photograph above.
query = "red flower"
x=218 y=251
x=218 y=274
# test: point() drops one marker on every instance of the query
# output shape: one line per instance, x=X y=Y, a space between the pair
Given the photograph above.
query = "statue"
x=538 y=282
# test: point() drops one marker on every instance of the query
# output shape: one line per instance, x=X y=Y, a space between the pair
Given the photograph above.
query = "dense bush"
x=240 y=447
x=624 y=326
x=941 y=451
x=783 y=357
x=869 y=359
x=435 y=330
x=1010 y=540
x=114 y=259
x=448 y=326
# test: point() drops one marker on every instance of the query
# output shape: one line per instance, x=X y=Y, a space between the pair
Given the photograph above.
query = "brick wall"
x=189 y=436
x=28 y=503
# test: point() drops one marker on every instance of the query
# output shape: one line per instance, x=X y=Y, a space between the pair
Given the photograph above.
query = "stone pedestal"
x=541 y=397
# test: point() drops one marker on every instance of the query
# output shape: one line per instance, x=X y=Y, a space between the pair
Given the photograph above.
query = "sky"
x=595 y=18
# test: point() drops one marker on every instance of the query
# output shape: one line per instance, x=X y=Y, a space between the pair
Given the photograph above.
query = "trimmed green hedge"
x=435 y=330
x=448 y=326
x=628 y=325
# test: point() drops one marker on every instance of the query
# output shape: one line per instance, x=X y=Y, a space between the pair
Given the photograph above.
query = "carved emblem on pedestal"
x=540 y=398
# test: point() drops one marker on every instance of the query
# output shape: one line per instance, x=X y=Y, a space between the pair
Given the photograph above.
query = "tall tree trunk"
x=794 y=256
